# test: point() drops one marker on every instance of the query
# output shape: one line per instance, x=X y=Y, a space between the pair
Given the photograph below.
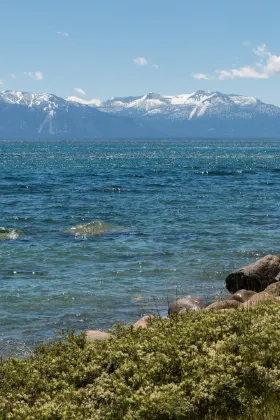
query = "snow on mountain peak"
x=94 y=102
x=179 y=99
x=193 y=114
x=194 y=104
x=46 y=100
x=177 y=107
x=183 y=106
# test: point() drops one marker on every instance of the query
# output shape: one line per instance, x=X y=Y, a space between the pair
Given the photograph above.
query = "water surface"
x=96 y=233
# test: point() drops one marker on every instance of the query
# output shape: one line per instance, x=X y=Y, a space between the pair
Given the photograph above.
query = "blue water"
x=181 y=215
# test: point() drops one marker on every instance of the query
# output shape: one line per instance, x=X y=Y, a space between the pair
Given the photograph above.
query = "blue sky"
x=108 y=48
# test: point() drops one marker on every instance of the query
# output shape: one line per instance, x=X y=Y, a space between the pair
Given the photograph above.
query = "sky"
x=104 y=48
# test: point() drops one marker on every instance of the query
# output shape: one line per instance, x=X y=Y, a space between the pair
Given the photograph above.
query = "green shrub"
x=211 y=365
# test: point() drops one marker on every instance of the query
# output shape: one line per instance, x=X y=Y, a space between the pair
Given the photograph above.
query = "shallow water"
x=158 y=219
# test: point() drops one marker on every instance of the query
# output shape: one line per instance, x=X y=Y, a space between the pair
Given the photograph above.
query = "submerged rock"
x=242 y=295
x=259 y=299
x=95 y=228
x=256 y=276
x=185 y=304
x=8 y=233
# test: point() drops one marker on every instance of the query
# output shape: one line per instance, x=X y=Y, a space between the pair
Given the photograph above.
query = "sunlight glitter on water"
x=109 y=230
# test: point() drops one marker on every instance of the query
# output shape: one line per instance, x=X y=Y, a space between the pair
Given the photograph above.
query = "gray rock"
x=256 y=276
x=273 y=288
x=259 y=299
x=188 y=304
x=143 y=322
x=242 y=295
x=96 y=335
x=277 y=278
x=222 y=305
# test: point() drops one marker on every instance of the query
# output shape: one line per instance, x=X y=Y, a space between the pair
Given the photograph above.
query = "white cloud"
x=261 y=50
x=1 y=82
x=246 y=43
x=37 y=75
x=62 y=33
x=201 y=76
x=80 y=91
x=272 y=65
x=12 y=75
x=245 y=72
x=267 y=65
x=140 y=61
x=155 y=66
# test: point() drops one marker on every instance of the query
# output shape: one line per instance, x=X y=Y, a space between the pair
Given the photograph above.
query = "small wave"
x=95 y=228
x=8 y=233
x=222 y=173
x=113 y=189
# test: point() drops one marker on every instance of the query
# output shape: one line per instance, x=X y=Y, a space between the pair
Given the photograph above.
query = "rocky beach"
x=252 y=285
x=211 y=361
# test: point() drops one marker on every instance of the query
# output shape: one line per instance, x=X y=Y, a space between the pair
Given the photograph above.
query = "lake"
x=98 y=233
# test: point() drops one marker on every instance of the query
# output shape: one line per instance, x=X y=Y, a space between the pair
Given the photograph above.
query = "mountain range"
x=200 y=114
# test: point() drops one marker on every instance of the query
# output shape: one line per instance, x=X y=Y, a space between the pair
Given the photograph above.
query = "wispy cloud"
x=62 y=33
x=1 y=82
x=245 y=72
x=12 y=75
x=201 y=76
x=261 y=50
x=246 y=43
x=267 y=65
x=37 y=75
x=140 y=61
x=155 y=66
x=80 y=91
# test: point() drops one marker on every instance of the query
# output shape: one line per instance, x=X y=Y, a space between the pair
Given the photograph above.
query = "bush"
x=210 y=365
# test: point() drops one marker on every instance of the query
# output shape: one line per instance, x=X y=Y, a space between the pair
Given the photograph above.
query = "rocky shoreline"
x=252 y=285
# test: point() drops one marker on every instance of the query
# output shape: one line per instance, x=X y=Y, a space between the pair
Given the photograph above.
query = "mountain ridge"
x=197 y=114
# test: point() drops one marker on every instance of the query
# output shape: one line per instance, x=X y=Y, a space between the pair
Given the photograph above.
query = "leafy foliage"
x=210 y=365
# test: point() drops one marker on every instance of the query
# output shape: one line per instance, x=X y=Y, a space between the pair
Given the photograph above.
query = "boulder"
x=273 y=288
x=256 y=276
x=143 y=322
x=259 y=299
x=97 y=335
x=242 y=295
x=188 y=304
x=277 y=278
x=222 y=305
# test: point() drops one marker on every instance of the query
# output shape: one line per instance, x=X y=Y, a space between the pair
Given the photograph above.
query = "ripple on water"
x=195 y=211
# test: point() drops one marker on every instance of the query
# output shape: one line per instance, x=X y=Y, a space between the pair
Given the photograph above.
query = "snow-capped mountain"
x=44 y=101
x=93 y=102
x=26 y=115
x=195 y=115
x=199 y=114
x=186 y=106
